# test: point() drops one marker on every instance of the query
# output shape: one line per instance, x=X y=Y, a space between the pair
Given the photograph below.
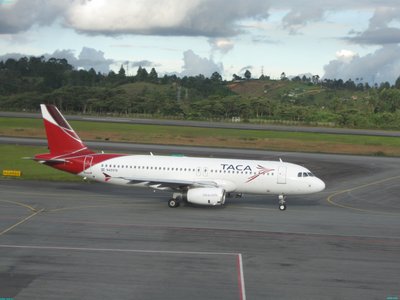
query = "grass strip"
x=11 y=159
x=217 y=137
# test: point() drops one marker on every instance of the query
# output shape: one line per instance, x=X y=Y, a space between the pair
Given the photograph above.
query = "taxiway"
x=94 y=241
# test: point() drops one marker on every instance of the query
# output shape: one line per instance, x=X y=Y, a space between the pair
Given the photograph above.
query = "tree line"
x=27 y=82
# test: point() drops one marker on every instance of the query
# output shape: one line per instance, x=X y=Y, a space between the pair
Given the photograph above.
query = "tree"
x=216 y=77
x=315 y=79
x=389 y=100
x=283 y=76
x=397 y=84
x=121 y=72
x=247 y=74
x=296 y=79
x=264 y=77
x=142 y=74
x=236 y=77
x=153 y=76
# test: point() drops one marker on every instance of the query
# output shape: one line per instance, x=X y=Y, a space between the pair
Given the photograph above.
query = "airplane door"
x=87 y=164
x=282 y=175
x=198 y=171
x=205 y=171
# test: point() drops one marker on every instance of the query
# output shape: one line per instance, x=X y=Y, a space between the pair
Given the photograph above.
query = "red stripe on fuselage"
x=75 y=164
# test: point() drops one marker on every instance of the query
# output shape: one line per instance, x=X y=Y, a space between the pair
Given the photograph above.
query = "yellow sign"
x=14 y=173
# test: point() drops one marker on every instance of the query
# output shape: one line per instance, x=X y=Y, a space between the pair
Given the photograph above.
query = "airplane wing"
x=162 y=184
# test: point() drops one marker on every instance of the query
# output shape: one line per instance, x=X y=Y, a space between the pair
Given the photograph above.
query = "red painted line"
x=239 y=265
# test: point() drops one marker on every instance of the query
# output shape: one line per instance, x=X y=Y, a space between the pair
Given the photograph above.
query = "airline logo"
x=106 y=177
x=241 y=168
x=261 y=171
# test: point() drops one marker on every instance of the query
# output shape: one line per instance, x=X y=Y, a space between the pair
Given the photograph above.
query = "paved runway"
x=207 y=124
x=94 y=241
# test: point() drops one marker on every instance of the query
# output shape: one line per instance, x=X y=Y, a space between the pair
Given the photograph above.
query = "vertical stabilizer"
x=61 y=138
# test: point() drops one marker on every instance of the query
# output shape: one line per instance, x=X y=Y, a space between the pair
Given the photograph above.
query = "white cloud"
x=226 y=24
x=195 y=65
x=92 y=58
x=345 y=55
x=120 y=16
x=380 y=66
x=22 y=14
x=223 y=45
x=211 y=18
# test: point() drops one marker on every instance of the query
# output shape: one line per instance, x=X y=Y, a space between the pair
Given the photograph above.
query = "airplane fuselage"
x=204 y=181
x=239 y=176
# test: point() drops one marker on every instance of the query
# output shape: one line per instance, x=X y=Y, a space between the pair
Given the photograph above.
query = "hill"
x=26 y=83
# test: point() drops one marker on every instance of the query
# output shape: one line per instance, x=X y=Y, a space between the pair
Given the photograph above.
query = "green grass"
x=191 y=135
x=20 y=123
x=146 y=132
x=11 y=159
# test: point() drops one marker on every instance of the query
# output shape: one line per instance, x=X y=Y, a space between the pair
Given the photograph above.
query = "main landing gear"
x=282 y=203
x=175 y=201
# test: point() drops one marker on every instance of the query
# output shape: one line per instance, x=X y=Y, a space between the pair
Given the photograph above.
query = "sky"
x=344 y=39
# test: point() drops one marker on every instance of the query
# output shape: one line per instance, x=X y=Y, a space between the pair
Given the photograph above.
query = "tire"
x=173 y=203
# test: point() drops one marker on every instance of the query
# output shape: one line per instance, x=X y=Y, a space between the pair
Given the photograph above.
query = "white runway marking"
x=242 y=291
x=116 y=250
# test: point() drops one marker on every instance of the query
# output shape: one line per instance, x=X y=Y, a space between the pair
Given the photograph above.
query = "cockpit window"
x=305 y=174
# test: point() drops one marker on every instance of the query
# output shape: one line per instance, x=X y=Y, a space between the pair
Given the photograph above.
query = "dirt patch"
x=219 y=141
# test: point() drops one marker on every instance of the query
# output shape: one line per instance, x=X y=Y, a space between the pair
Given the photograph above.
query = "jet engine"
x=206 y=196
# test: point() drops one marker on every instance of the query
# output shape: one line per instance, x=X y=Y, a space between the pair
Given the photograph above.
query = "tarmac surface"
x=96 y=241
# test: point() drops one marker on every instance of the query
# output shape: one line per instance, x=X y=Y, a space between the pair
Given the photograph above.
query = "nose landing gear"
x=282 y=202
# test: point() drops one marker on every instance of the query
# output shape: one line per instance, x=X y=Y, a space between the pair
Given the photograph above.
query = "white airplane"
x=204 y=181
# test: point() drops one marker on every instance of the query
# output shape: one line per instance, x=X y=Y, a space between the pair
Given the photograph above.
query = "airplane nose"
x=316 y=185
x=320 y=185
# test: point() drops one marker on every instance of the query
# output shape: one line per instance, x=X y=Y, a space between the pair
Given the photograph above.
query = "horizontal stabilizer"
x=49 y=161
x=46 y=160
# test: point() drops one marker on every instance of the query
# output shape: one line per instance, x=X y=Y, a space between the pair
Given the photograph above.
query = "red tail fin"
x=61 y=138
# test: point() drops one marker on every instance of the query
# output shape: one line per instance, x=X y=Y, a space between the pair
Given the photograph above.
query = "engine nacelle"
x=206 y=196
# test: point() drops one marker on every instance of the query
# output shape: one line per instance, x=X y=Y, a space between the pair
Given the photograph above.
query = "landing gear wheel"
x=282 y=203
x=173 y=203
